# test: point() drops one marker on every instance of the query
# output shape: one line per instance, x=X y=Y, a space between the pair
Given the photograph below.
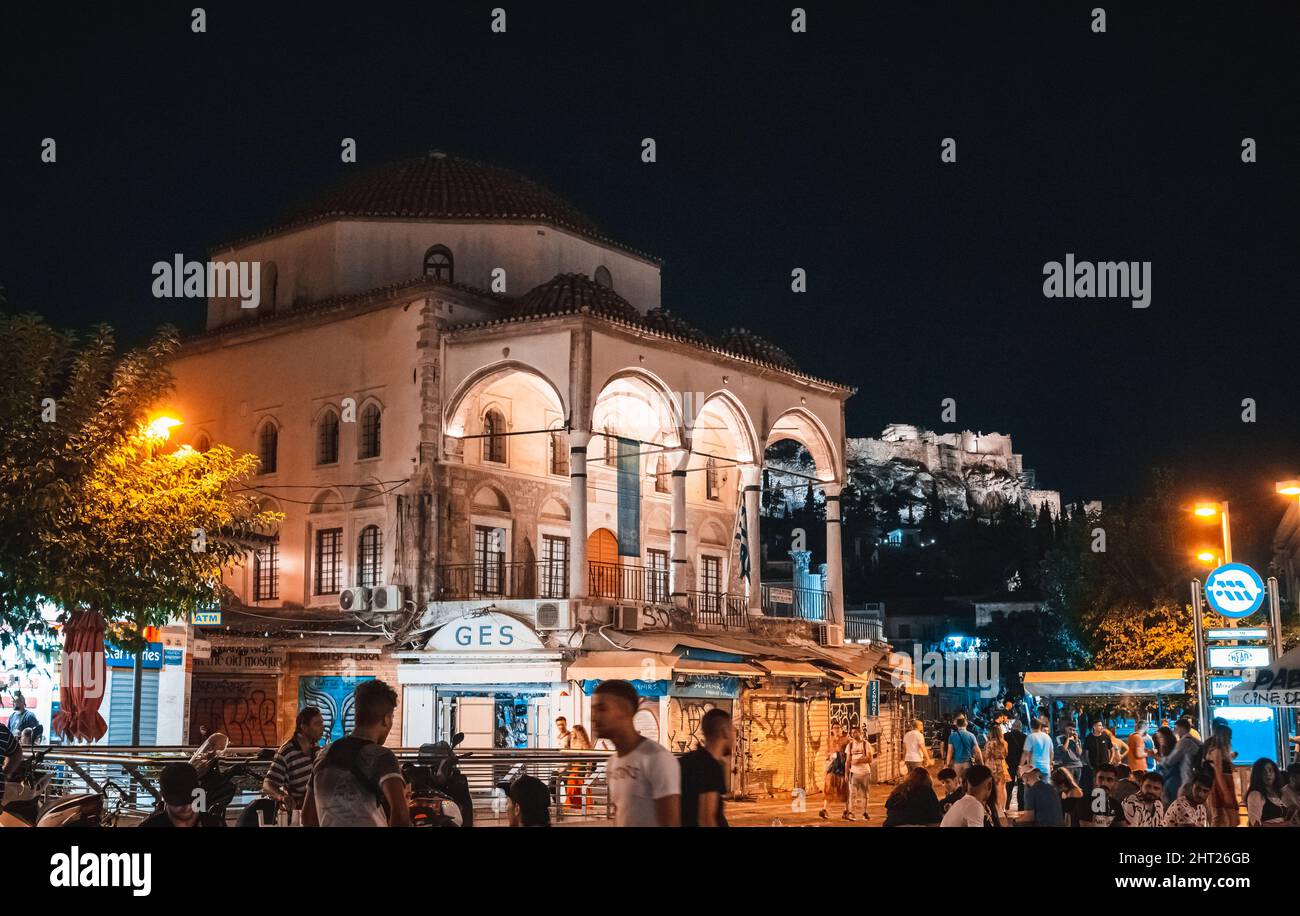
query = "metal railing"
x=128 y=777
x=862 y=630
x=530 y=579
x=627 y=582
x=711 y=609
x=781 y=600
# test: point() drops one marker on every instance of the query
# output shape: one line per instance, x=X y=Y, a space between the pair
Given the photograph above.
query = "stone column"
x=751 y=482
x=578 y=439
x=677 y=583
x=834 y=553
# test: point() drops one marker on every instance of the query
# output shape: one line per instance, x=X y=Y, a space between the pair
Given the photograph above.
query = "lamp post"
x=1284 y=488
x=156 y=432
x=1207 y=510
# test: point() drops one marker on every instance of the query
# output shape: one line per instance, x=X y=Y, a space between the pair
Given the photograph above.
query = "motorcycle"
x=26 y=804
x=439 y=792
x=217 y=782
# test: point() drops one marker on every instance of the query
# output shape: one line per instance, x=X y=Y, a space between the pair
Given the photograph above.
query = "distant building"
x=978 y=469
x=984 y=610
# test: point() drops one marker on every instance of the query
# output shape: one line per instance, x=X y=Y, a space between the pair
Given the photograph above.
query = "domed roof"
x=666 y=322
x=441 y=186
x=744 y=342
x=566 y=293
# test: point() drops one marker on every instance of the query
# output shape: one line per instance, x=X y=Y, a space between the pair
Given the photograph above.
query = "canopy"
x=1276 y=685
x=627 y=666
x=1140 y=682
x=781 y=668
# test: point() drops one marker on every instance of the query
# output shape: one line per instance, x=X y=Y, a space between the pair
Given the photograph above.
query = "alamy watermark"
x=182 y=279
x=1101 y=280
x=946 y=669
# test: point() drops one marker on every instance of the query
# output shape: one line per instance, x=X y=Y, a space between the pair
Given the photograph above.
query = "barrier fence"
x=127 y=777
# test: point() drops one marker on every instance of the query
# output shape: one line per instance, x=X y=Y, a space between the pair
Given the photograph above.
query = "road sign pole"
x=1200 y=656
x=1275 y=624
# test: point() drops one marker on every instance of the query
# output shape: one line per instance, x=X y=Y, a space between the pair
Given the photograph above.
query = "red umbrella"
x=83 y=679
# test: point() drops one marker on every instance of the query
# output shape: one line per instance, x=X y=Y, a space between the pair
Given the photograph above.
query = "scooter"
x=25 y=803
x=439 y=791
x=218 y=782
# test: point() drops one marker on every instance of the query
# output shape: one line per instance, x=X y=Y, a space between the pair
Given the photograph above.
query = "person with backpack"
x=963 y=749
x=357 y=782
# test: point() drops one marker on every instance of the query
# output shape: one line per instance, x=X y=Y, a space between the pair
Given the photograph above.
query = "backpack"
x=345 y=754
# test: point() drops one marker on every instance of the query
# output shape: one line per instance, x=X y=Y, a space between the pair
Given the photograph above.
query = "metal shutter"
x=818 y=734
x=121 y=706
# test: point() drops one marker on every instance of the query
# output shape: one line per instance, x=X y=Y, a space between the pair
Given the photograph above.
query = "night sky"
x=776 y=151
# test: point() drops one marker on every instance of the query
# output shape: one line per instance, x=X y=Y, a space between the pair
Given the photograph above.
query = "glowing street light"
x=161 y=427
x=1208 y=557
x=1288 y=487
x=1206 y=509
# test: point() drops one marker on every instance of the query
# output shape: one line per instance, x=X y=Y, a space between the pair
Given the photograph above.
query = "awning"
x=790 y=669
x=633 y=665
x=1139 y=682
x=847 y=677
x=733 y=669
x=917 y=688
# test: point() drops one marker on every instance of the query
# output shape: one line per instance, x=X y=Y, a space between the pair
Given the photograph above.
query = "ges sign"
x=486 y=633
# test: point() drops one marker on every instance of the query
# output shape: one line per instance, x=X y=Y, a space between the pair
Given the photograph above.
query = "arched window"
x=560 y=452
x=661 y=474
x=711 y=479
x=368 y=446
x=603 y=278
x=438 y=263
x=327 y=438
x=611 y=447
x=268 y=446
x=494 y=439
x=370 y=557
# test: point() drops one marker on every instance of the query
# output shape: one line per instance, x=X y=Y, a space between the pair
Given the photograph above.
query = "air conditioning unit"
x=599 y=614
x=387 y=599
x=354 y=599
x=627 y=616
x=554 y=616
x=832 y=634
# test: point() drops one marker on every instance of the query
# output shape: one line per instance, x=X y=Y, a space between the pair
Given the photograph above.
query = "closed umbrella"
x=82 y=682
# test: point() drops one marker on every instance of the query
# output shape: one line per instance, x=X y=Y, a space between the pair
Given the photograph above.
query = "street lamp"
x=1208 y=510
x=1208 y=557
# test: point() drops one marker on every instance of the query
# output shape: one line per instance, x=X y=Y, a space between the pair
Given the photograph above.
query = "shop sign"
x=206 y=618
x=873 y=698
x=151 y=657
x=650 y=689
x=707 y=686
x=267 y=659
x=173 y=656
x=485 y=633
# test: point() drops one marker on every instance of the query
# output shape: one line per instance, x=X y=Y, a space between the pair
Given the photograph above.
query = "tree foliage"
x=94 y=512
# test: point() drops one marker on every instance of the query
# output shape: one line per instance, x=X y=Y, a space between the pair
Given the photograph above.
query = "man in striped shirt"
x=286 y=780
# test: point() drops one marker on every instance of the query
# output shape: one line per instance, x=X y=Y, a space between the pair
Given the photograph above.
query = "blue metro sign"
x=1234 y=590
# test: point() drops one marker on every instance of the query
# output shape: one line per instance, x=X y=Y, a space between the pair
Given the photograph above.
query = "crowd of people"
x=356 y=781
x=1020 y=775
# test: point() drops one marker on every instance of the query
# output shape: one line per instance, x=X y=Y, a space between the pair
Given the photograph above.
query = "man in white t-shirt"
x=644 y=777
x=971 y=810
x=915 y=753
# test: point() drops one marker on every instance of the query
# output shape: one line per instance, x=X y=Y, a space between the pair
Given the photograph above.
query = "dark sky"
x=776 y=151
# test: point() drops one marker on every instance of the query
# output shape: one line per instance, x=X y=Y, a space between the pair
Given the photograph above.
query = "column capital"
x=578 y=438
x=832 y=488
x=751 y=475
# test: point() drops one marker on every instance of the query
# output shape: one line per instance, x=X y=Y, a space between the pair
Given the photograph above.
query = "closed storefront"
x=235 y=691
x=121 y=705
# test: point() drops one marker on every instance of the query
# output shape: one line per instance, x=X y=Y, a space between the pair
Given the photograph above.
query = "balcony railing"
x=710 y=609
x=781 y=600
x=531 y=579
x=627 y=582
